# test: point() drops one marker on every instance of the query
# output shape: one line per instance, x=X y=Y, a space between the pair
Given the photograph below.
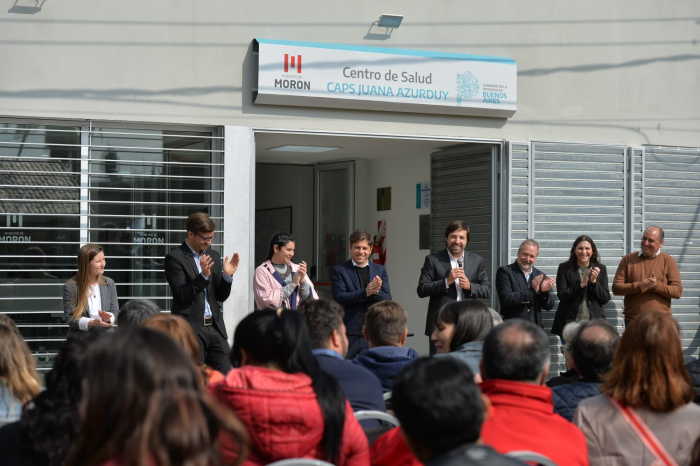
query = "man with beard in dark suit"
x=199 y=285
x=452 y=274
x=523 y=291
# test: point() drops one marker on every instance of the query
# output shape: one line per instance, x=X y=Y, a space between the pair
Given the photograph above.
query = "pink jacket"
x=268 y=291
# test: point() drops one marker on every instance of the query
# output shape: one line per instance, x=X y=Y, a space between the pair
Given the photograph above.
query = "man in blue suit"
x=357 y=284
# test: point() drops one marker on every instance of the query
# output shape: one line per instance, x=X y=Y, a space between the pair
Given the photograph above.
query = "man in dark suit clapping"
x=357 y=284
x=523 y=291
x=452 y=274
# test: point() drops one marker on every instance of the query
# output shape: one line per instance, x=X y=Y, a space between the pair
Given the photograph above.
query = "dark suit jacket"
x=108 y=298
x=346 y=290
x=362 y=388
x=516 y=296
x=571 y=294
x=187 y=286
x=432 y=282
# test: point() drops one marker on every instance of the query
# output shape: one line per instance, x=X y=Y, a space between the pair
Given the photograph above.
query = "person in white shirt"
x=90 y=298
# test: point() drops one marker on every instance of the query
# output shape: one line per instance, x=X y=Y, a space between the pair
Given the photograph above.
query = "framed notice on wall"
x=384 y=198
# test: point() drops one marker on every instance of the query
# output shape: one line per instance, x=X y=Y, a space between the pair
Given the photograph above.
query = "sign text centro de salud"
x=371 y=78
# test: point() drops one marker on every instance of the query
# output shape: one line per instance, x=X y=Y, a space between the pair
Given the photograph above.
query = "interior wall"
x=404 y=259
x=282 y=186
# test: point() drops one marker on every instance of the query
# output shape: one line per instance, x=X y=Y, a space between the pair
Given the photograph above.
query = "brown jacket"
x=634 y=269
x=611 y=440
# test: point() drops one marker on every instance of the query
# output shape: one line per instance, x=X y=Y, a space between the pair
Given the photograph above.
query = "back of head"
x=648 y=368
x=141 y=399
x=322 y=318
x=471 y=318
x=516 y=350
x=181 y=332
x=593 y=348
x=17 y=365
x=439 y=405
x=50 y=425
x=386 y=323
x=133 y=313
x=280 y=338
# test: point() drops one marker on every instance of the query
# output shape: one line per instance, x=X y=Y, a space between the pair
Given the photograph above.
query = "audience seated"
x=441 y=412
x=19 y=381
x=142 y=405
x=460 y=329
x=49 y=425
x=291 y=407
x=648 y=377
x=570 y=375
x=181 y=332
x=514 y=368
x=133 y=313
x=324 y=320
x=592 y=348
x=386 y=329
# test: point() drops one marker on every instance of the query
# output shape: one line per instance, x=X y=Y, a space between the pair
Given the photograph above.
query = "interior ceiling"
x=351 y=147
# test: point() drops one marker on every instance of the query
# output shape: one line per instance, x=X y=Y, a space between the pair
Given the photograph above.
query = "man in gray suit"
x=452 y=274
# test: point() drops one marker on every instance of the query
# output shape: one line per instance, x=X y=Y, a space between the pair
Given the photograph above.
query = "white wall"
x=623 y=71
x=404 y=259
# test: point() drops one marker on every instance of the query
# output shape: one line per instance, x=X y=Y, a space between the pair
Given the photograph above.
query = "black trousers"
x=213 y=349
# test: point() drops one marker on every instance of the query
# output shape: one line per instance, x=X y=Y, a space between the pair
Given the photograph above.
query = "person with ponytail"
x=291 y=408
x=146 y=407
x=279 y=282
x=90 y=298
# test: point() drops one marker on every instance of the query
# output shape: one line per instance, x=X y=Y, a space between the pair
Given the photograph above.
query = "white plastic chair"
x=300 y=462
x=531 y=456
x=379 y=415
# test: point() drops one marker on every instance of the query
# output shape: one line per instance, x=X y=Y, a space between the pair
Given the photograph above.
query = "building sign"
x=373 y=78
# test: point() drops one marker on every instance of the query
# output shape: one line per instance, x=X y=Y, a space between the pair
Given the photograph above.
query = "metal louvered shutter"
x=462 y=189
x=671 y=189
x=560 y=191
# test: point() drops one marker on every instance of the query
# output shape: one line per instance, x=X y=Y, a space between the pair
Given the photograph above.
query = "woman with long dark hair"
x=90 y=298
x=291 y=408
x=48 y=426
x=646 y=410
x=143 y=405
x=582 y=286
x=279 y=282
x=460 y=330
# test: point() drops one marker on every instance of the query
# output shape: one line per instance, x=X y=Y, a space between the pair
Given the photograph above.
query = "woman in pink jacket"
x=279 y=282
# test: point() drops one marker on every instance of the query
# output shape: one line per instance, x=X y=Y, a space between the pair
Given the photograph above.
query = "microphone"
x=460 y=262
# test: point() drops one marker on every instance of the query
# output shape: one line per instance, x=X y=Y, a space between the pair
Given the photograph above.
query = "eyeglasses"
x=207 y=238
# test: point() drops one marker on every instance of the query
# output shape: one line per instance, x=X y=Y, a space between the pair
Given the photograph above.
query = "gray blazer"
x=108 y=295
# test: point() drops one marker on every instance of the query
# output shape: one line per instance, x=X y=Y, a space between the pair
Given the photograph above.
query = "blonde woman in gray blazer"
x=90 y=298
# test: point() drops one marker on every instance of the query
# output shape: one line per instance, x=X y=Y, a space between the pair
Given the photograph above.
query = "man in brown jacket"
x=647 y=279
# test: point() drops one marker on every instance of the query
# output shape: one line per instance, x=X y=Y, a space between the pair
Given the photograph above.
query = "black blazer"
x=346 y=290
x=432 y=282
x=108 y=299
x=516 y=296
x=187 y=286
x=571 y=294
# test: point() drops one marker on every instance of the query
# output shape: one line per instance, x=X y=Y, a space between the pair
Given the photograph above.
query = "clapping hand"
x=374 y=286
x=102 y=321
x=548 y=283
x=594 y=272
x=230 y=266
x=649 y=283
x=535 y=282
x=206 y=262
x=300 y=274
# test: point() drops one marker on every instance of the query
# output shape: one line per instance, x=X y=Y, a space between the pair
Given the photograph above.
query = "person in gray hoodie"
x=460 y=329
x=386 y=329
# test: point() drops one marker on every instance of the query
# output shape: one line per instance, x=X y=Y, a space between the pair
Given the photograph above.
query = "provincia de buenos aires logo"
x=292 y=77
x=468 y=87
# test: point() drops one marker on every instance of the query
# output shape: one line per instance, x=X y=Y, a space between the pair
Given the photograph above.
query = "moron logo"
x=292 y=62
x=294 y=59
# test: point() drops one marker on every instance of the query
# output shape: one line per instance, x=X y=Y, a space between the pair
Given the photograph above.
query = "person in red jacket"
x=514 y=369
x=291 y=408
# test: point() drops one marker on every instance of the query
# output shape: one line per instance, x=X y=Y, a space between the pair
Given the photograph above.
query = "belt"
x=207 y=321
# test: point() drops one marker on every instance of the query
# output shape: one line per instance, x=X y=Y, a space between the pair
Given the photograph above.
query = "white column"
x=239 y=220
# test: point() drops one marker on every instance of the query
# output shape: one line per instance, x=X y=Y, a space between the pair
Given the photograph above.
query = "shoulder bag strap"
x=639 y=427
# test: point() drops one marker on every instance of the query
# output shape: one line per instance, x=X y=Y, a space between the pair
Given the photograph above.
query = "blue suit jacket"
x=346 y=290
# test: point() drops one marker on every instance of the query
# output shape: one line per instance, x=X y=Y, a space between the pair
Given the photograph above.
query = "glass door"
x=334 y=218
